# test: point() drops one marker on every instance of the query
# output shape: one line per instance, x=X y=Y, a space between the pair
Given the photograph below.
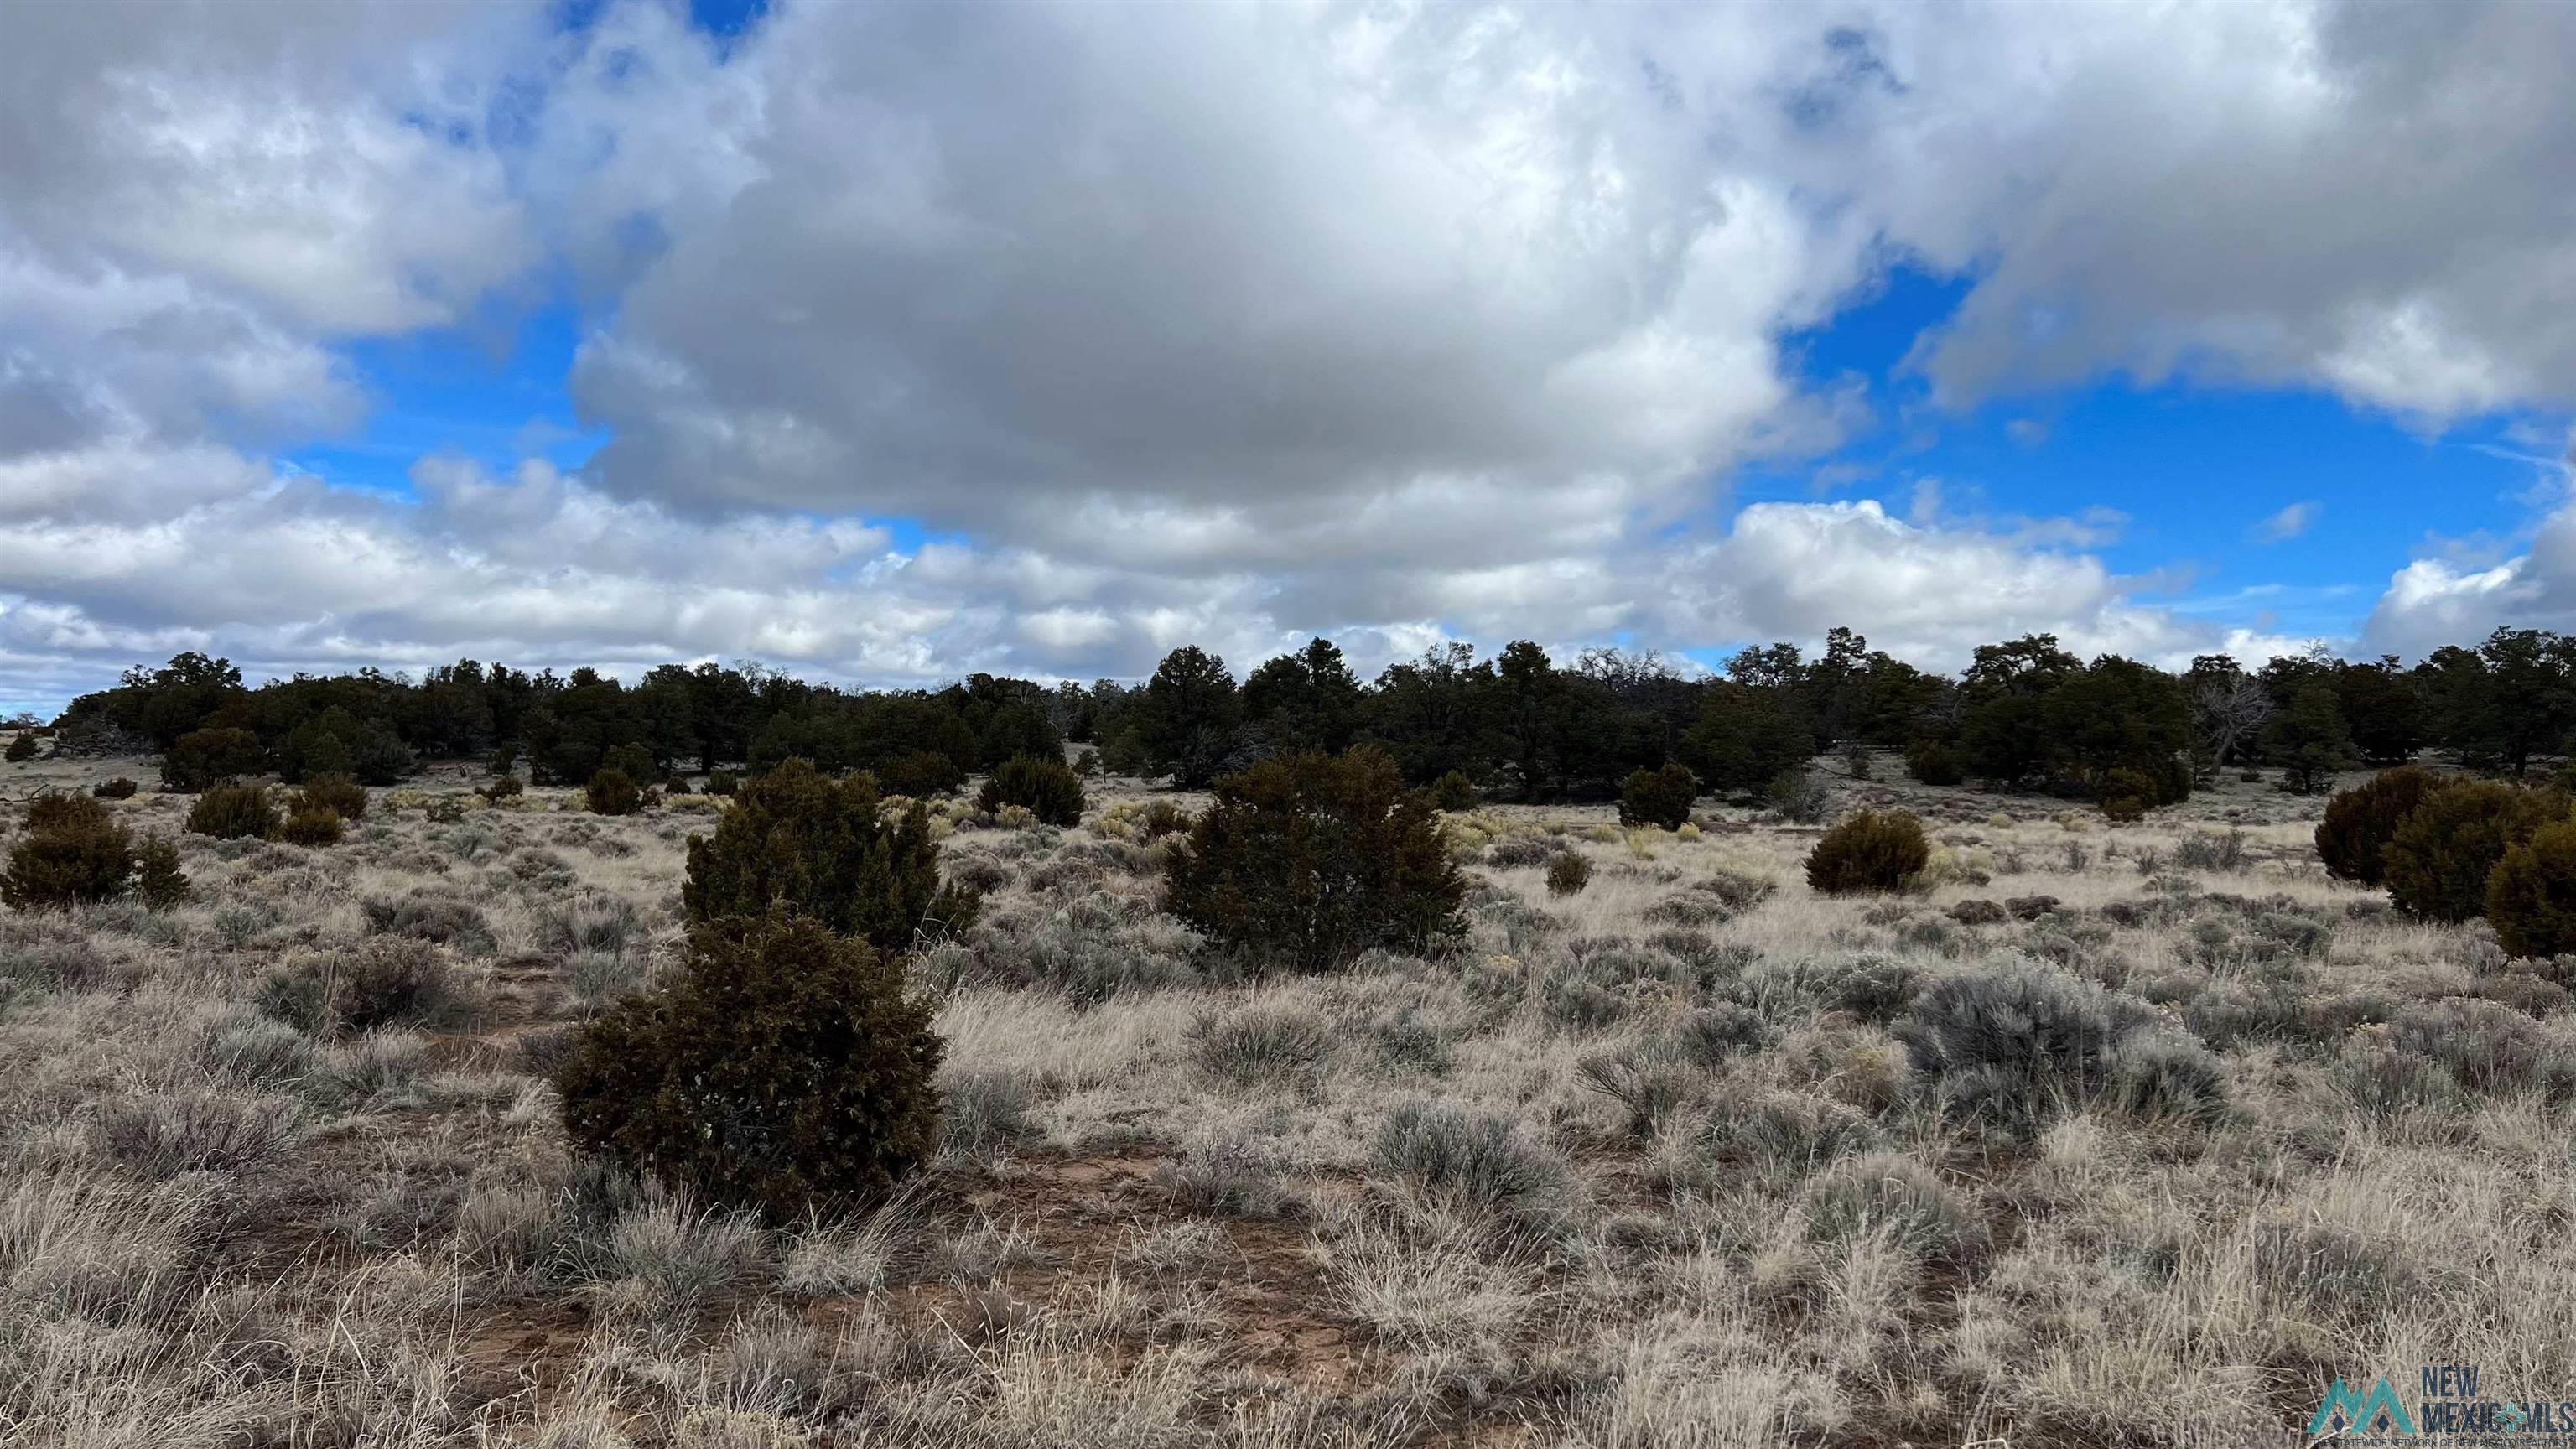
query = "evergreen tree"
x=2308 y=739
x=1192 y=717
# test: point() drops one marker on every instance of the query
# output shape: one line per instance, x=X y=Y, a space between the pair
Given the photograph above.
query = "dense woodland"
x=2024 y=715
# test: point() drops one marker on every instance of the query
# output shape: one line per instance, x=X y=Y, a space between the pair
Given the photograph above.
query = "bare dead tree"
x=2227 y=711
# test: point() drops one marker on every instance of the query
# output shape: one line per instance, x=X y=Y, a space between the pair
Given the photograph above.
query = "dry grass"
x=1643 y=1165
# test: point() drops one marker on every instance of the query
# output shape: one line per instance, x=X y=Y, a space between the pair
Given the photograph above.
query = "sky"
x=889 y=342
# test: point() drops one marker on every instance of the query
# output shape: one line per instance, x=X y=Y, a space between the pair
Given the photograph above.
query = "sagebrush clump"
x=74 y=853
x=311 y=827
x=1306 y=860
x=2022 y=1043
x=820 y=846
x=2437 y=861
x=1661 y=798
x=1478 y=1160
x=338 y=795
x=1886 y=1192
x=386 y=982
x=2361 y=821
x=1046 y=787
x=786 y=1069
x=1568 y=874
x=234 y=812
x=1871 y=851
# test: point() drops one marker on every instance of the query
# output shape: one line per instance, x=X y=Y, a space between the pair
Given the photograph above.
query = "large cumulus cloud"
x=1205 y=322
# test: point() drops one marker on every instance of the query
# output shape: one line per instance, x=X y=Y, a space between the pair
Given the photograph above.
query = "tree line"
x=2025 y=714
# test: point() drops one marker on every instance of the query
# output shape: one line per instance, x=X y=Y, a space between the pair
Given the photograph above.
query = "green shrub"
x=2437 y=861
x=2361 y=821
x=1659 y=797
x=821 y=847
x=785 y=1069
x=1568 y=874
x=22 y=747
x=202 y=758
x=2531 y=893
x=1046 y=786
x=158 y=881
x=2020 y=1044
x=921 y=774
x=119 y=788
x=313 y=750
x=234 y=812
x=1935 y=762
x=2125 y=795
x=503 y=787
x=633 y=760
x=1161 y=818
x=1454 y=792
x=613 y=792
x=74 y=853
x=675 y=785
x=1308 y=860
x=338 y=794
x=720 y=782
x=1871 y=851
x=311 y=827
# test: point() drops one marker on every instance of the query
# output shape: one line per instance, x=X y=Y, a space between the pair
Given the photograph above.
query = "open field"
x=1645 y=1165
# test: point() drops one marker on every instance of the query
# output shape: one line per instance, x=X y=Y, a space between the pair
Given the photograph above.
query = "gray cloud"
x=1200 y=323
x=2375 y=199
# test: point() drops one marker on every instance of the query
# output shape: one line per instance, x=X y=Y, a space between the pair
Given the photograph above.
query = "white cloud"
x=2460 y=590
x=2436 y=600
x=1926 y=592
x=2289 y=523
x=1212 y=323
x=2367 y=198
x=1227 y=270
